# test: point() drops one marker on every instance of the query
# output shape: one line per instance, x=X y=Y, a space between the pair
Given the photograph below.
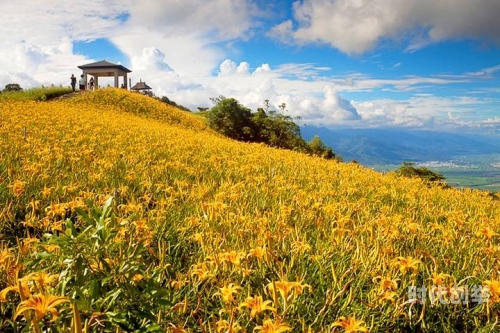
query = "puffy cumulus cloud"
x=313 y=102
x=151 y=59
x=263 y=68
x=355 y=26
x=227 y=19
x=187 y=55
x=33 y=65
x=229 y=67
x=338 y=108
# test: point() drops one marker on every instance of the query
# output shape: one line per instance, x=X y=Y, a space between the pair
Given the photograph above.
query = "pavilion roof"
x=104 y=64
x=140 y=86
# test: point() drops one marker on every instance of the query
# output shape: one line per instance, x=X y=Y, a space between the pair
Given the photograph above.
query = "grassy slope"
x=243 y=214
x=35 y=94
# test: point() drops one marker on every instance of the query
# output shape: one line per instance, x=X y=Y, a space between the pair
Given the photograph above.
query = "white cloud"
x=221 y=19
x=282 y=32
x=337 y=107
x=263 y=68
x=152 y=59
x=355 y=26
x=426 y=111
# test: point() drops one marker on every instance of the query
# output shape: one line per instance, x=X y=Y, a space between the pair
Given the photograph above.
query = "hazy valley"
x=464 y=159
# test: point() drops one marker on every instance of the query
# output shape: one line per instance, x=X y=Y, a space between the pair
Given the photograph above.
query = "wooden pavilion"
x=142 y=87
x=105 y=68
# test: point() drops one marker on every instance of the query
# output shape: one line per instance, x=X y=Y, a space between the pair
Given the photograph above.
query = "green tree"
x=12 y=87
x=278 y=130
x=408 y=169
x=166 y=100
x=318 y=148
x=232 y=119
x=283 y=132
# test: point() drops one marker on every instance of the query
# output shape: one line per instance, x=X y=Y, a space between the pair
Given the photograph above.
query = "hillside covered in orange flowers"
x=120 y=213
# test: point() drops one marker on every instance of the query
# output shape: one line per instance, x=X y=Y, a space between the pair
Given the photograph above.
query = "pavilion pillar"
x=125 y=80
x=96 y=82
x=116 y=79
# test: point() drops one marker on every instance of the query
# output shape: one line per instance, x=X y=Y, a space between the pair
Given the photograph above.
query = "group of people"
x=82 y=83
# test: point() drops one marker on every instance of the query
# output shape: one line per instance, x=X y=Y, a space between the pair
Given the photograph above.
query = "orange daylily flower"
x=228 y=292
x=257 y=305
x=41 y=305
x=269 y=326
x=350 y=324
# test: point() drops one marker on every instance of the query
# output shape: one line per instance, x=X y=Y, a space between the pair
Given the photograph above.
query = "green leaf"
x=70 y=228
x=106 y=209
x=154 y=328
x=117 y=317
x=94 y=290
x=112 y=298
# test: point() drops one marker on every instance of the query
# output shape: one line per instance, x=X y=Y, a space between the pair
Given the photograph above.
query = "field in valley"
x=480 y=172
x=120 y=213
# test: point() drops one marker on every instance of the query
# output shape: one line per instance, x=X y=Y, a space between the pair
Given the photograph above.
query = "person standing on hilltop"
x=73 y=82
x=82 y=83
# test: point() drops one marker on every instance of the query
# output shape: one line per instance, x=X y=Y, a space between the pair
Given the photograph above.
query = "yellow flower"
x=492 y=288
x=52 y=248
x=350 y=324
x=5 y=257
x=227 y=327
x=21 y=288
x=42 y=278
x=487 y=232
x=256 y=305
x=202 y=271
x=268 y=326
x=438 y=278
x=47 y=191
x=137 y=277
x=179 y=282
x=288 y=290
x=387 y=296
x=300 y=247
x=233 y=257
x=246 y=272
x=228 y=292
x=41 y=305
x=386 y=283
x=258 y=252
x=17 y=187
x=407 y=263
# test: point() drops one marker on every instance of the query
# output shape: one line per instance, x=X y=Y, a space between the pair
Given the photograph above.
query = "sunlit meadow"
x=120 y=213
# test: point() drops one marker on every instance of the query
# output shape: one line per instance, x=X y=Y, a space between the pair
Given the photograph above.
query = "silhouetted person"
x=73 y=82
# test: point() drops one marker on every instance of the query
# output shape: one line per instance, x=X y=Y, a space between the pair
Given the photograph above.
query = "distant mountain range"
x=394 y=146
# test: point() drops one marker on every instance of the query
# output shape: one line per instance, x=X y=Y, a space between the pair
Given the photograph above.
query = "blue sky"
x=428 y=64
